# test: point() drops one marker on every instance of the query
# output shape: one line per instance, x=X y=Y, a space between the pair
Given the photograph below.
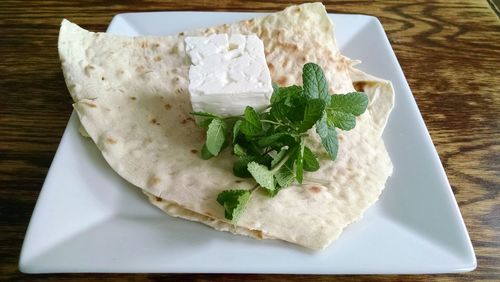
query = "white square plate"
x=88 y=219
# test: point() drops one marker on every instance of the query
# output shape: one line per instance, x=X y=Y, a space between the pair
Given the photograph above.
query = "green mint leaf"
x=251 y=125
x=205 y=154
x=216 y=136
x=238 y=150
x=315 y=85
x=310 y=160
x=234 y=202
x=328 y=137
x=354 y=103
x=285 y=174
x=204 y=122
x=291 y=111
x=279 y=112
x=266 y=126
x=312 y=113
x=276 y=93
x=344 y=108
x=281 y=138
x=284 y=94
x=342 y=120
x=278 y=157
x=297 y=109
x=299 y=163
x=262 y=175
x=274 y=192
x=236 y=130
x=204 y=118
x=240 y=166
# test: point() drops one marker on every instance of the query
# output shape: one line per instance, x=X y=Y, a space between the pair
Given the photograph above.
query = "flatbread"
x=130 y=94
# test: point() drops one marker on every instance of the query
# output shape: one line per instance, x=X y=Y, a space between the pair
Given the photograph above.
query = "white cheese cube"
x=228 y=73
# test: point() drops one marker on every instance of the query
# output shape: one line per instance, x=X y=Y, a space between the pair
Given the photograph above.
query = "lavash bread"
x=131 y=97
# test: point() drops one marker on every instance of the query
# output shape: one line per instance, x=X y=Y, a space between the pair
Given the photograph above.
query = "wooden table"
x=449 y=52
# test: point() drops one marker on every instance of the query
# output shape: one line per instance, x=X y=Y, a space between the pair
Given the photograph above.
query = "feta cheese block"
x=228 y=73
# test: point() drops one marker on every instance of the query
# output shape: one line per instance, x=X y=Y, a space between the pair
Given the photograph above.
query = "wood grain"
x=449 y=52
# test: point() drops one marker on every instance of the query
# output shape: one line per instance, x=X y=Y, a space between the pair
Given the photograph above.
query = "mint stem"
x=254 y=187
x=281 y=163
x=270 y=121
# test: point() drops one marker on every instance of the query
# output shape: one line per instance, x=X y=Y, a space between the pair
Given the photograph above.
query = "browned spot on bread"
x=148 y=140
x=157 y=58
x=153 y=180
x=290 y=47
x=340 y=137
x=359 y=85
x=255 y=30
x=158 y=199
x=167 y=106
x=181 y=33
x=282 y=81
x=92 y=105
x=153 y=120
x=285 y=62
x=315 y=189
x=259 y=234
x=89 y=68
x=156 y=45
x=194 y=151
x=139 y=69
x=133 y=98
x=110 y=140
x=264 y=33
x=186 y=120
x=144 y=44
x=102 y=78
x=238 y=181
x=271 y=67
x=157 y=123
x=278 y=34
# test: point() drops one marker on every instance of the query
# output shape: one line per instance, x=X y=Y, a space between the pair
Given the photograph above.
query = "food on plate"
x=131 y=96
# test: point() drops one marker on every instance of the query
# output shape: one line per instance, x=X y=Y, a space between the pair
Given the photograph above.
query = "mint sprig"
x=270 y=146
